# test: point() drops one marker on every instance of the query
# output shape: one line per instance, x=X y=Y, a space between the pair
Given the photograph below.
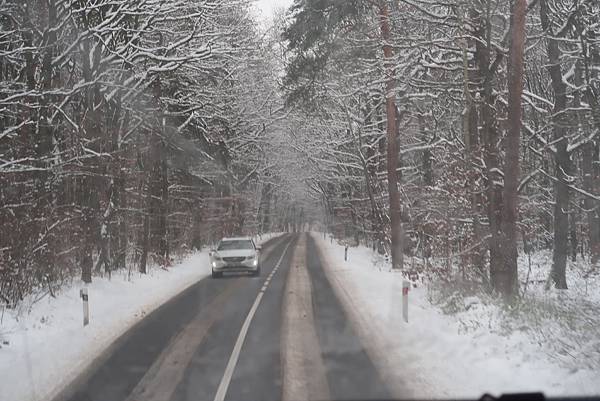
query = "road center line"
x=235 y=354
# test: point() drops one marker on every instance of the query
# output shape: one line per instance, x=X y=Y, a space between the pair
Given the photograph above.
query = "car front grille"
x=236 y=259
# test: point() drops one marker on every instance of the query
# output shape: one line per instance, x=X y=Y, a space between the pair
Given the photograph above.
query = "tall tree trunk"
x=120 y=237
x=159 y=180
x=561 y=223
x=573 y=240
x=146 y=211
x=491 y=143
x=562 y=156
x=105 y=237
x=591 y=166
x=590 y=205
x=575 y=217
x=89 y=201
x=369 y=167
x=472 y=80
x=145 y=244
x=392 y=142
x=164 y=206
x=507 y=282
x=591 y=59
x=43 y=140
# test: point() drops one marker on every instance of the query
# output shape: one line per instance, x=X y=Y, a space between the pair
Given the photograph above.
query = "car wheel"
x=217 y=274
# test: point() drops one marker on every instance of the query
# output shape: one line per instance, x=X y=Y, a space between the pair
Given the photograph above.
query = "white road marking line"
x=235 y=354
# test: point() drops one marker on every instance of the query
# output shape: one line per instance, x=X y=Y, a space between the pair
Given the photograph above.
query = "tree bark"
x=562 y=157
x=89 y=201
x=392 y=142
x=591 y=177
x=491 y=143
x=145 y=245
x=589 y=204
x=145 y=233
x=507 y=281
x=164 y=204
x=573 y=240
x=119 y=238
x=472 y=80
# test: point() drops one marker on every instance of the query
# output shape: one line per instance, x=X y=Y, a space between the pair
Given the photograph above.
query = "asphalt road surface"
x=283 y=335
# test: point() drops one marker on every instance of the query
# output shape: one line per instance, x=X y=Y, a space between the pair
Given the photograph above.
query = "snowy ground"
x=44 y=344
x=550 y=343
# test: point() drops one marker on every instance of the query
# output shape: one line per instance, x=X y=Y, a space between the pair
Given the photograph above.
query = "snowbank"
x=480 y=349
x=44 y=344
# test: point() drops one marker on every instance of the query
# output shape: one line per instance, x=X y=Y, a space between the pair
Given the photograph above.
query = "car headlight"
x=255 y=263
x=214 y=264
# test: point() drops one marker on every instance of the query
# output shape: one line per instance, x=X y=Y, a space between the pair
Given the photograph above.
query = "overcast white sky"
x=266 y=7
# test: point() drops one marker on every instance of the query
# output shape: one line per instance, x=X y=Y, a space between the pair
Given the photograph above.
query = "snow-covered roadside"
x=44 y=348
x=434 y=355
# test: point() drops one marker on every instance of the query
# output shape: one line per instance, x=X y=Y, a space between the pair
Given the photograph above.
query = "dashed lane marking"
x=235 y=354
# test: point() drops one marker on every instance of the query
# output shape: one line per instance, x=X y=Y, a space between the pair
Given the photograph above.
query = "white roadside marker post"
x=346 y=253
x=83 y=293
x=405 y=288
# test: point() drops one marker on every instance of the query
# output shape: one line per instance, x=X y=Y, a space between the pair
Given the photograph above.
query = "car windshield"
x=226 y=200
x=230 y=245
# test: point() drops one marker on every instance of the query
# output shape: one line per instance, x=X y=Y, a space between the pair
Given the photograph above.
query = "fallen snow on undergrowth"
x=461 y=344
x=44 y=344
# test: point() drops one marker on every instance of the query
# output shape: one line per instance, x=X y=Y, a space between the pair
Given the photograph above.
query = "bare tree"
x=507 y=283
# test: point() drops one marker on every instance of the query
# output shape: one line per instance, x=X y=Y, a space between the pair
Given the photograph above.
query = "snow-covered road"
x=242 y=338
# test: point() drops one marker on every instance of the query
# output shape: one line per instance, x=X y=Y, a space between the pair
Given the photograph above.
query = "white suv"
x=239 y=254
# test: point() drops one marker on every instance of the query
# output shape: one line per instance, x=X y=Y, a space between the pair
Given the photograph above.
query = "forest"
x=460 y=132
